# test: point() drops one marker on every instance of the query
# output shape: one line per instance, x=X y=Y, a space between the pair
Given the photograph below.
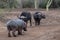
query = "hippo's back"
x=19 y=22
x=11 y=25
x=16 y=23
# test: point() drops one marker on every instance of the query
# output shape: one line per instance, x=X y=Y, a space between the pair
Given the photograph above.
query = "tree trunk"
x=36 y=5
x=20 y=3
x=48 y=4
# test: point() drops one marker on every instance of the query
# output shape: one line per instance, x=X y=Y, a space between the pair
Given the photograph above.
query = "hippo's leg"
x=25 y=29
x=9 y=29
x=13 y=32
x=19 y=31
x=9 y=35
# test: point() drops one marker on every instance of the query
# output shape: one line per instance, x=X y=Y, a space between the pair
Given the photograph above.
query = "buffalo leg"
x=38 y=22
x=30 y=22
x=35 y=22
x=26 y=22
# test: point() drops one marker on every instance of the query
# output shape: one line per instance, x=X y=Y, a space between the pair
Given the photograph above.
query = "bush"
x=28 y=4
x=8 y=4
x=55 y=4
x=58 y=3
x=43 y=4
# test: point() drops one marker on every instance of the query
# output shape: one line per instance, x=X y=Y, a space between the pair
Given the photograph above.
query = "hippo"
x=16 y=25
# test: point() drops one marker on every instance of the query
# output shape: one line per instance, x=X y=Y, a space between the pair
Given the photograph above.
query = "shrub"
x=43 y=4
x=8 y=3
x=28 y=4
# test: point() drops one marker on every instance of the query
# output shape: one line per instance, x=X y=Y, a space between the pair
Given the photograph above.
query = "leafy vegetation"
x=28 y=4
x=8 y=3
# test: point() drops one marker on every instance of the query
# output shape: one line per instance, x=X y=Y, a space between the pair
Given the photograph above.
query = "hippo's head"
x=25 y=27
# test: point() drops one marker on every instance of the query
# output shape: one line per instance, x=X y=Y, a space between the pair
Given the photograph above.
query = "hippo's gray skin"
x=16 y=25
x=37 y=17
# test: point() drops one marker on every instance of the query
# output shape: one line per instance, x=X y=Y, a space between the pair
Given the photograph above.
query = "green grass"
x=2 y=12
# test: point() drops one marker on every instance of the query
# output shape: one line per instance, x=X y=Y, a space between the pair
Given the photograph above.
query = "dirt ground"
x=48 y=30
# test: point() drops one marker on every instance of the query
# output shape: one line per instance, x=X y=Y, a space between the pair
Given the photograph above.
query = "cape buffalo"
x=27 y=16
x=37 y=17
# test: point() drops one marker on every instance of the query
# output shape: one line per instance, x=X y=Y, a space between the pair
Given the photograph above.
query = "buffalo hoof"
x=25 y=30
x=9 y=36
x=19 y=33
x=14 y=35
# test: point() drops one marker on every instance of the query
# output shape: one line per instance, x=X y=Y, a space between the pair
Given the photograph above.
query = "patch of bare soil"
x=48 y=30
